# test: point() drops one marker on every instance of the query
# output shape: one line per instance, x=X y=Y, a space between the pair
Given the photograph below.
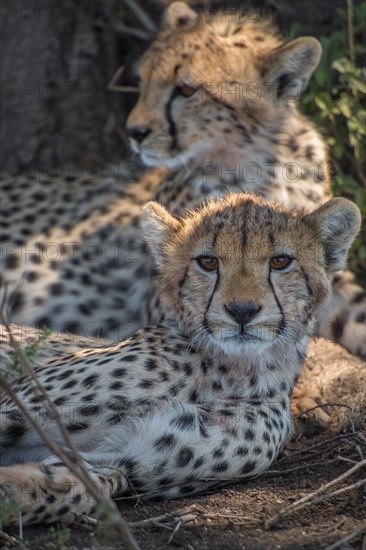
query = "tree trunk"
x=56 y=61
x=57 y=58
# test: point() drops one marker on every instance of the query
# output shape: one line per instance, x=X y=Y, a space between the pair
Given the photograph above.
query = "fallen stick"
x=141 y=15
x=273 y=473
x=75 y=464
x=185 y=515
x=319 y=445
x=339 y=544
x=311 y=499
x=7 y=540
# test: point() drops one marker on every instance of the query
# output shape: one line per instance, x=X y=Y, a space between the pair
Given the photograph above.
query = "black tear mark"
x=182 y=282
x=306 y=278
x=282 y=324
x=210 y=300
x=172 y=127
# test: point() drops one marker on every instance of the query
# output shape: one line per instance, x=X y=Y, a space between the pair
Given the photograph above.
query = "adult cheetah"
x=217 y=111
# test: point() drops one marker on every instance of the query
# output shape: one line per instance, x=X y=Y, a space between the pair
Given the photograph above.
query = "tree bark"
x=57 y=58
x=56 y=62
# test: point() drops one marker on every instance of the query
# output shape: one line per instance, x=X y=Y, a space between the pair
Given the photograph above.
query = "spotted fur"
x=71 y=244
x=203 y=398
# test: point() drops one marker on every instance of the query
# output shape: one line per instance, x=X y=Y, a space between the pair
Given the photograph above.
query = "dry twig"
x=113 y=87
x=75 y=464
x=273 y=473
x=340 y=543
x=321 y=444
x=7 y=540
x=121 y=28
x=176 y=528
x=184 y=515
x=187 y=515
x=141 y=15
x=314 y=497
x=345 y=459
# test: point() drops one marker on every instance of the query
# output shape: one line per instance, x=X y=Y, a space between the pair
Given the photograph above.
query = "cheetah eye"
x=186 y=91
x=208 y=263
x=280 y=262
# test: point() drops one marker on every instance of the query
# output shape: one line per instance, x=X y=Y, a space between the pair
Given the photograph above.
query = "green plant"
x=7 y=510
x=62 y=537
x=336 y=101
x=13 y=366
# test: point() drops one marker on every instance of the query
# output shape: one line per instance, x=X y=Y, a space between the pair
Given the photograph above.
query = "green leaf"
x=341 y=65
x=345 y=109
x=358 y=85
x=338 y=150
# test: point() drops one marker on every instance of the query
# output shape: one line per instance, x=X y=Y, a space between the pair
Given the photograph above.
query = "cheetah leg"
x=343 y=319
x=176 y=450
x=181 y=449
x=48 y=493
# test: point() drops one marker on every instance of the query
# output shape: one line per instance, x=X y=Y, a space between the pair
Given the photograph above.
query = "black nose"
x=243 y=312
x=138 y=133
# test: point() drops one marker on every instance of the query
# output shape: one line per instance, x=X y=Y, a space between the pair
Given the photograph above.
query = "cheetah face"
x=180 y=114
x=205 y=85
x=242 y=273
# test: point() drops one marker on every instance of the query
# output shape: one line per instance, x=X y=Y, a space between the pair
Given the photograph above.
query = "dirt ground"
x=235 y=516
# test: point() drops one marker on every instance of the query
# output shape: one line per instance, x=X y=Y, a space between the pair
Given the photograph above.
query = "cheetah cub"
x=204 y=398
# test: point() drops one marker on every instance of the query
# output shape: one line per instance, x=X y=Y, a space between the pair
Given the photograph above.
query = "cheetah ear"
x=338 y=222
x=180 y=16
x=157 y=225
x=291 y=66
